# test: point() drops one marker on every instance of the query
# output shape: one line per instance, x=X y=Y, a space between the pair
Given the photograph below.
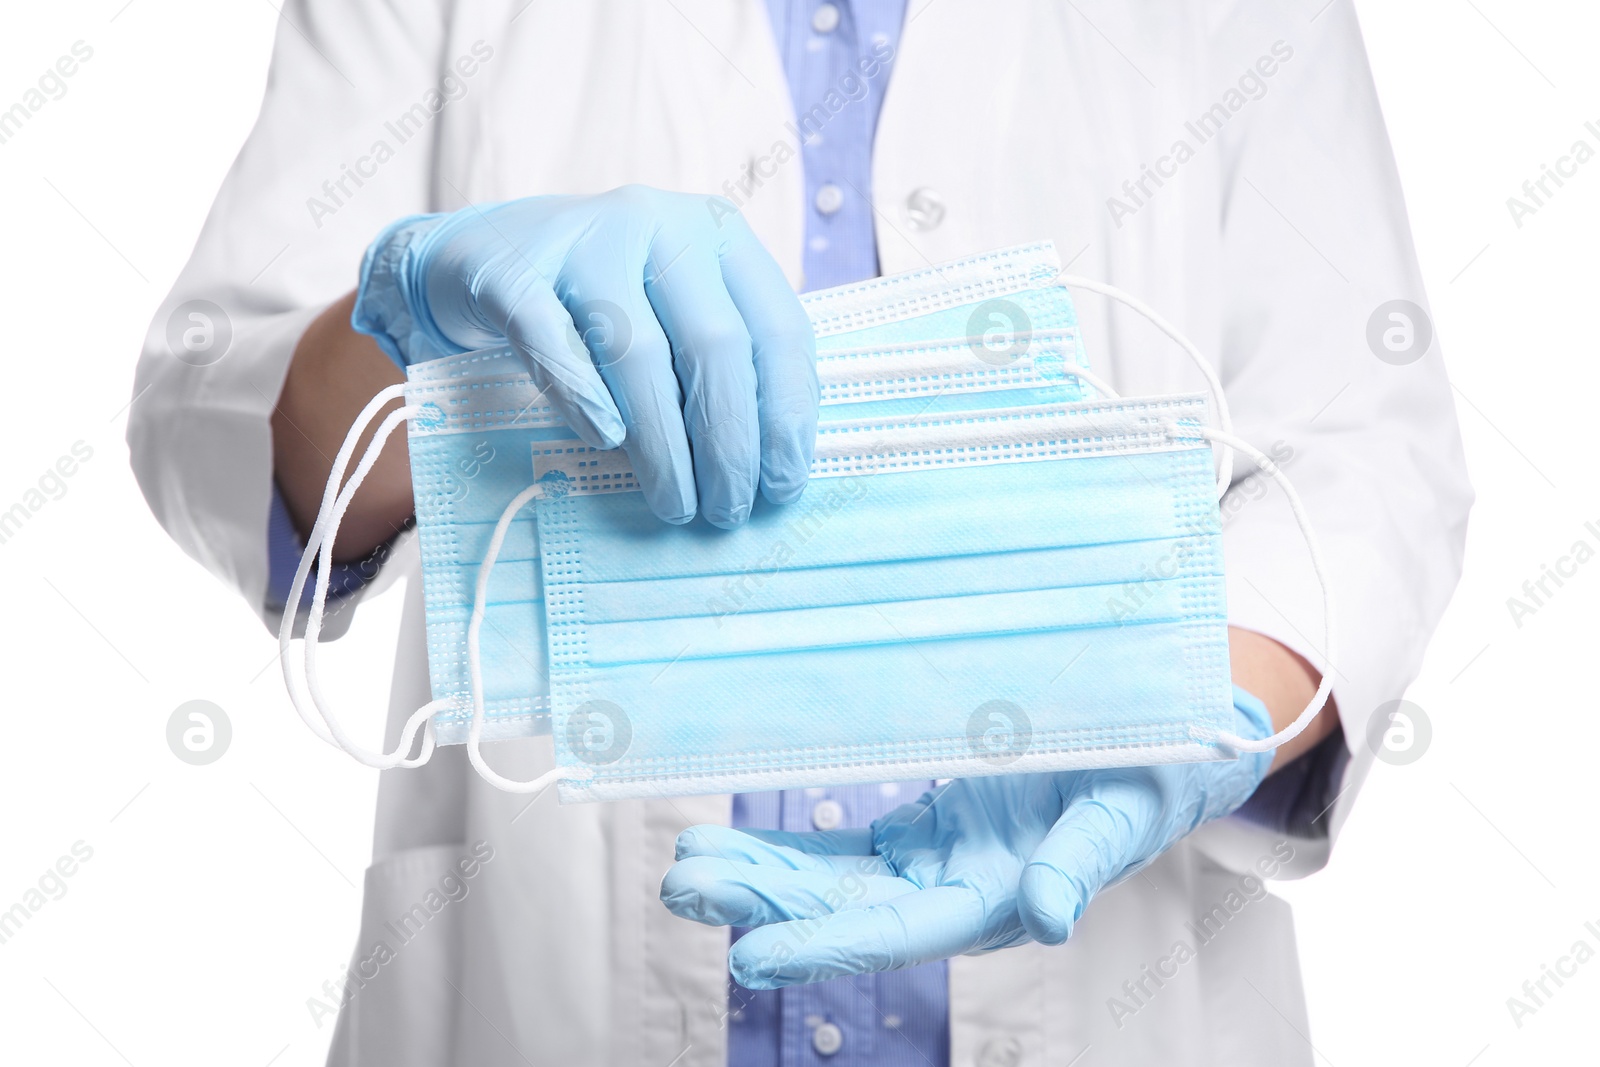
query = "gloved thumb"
x=1103 y=830
x=541 y=331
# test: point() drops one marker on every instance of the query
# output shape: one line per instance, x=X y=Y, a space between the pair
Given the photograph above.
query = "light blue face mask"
x=992 y=571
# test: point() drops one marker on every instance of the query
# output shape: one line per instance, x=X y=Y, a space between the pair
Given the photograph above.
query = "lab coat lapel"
x=688 y=96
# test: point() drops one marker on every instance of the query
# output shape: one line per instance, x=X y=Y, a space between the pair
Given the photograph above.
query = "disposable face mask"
x=999 y=566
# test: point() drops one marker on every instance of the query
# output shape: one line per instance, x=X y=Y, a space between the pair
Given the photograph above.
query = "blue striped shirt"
x=838 y=57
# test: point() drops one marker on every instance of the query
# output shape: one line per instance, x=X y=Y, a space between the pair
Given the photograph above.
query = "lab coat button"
x=1000 y=1052
x=825 y=19
x=924 y=209
x=827 y=1039
x=827 y=815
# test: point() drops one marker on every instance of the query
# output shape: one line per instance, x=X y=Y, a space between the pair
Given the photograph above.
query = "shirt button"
x=924 y=209
x=830 y=198
x=827 y=1039
x=827 y=815
x=825 y=19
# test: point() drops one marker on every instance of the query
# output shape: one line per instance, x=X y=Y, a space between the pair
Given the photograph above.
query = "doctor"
x=1224 y=160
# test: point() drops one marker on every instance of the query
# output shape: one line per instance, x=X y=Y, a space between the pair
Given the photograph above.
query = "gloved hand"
x=648 y=323
x=981 y=864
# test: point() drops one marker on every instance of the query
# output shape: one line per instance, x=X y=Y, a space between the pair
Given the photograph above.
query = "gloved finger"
x=856 y=841
x=841 y=850
x=1104 y=830
x=722 y=892
x=605 y=297
x=784 y=353
x=526 y=312
x=919 y=927
x=711 y=354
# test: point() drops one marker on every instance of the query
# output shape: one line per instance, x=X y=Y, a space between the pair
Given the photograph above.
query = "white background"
x=220 y=898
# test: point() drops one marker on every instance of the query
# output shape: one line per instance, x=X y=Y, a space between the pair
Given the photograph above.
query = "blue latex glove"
x=981 y=864
x=648 y=323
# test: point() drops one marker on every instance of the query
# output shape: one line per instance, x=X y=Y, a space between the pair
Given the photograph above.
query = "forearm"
x=334 y=373
x=1285 y=683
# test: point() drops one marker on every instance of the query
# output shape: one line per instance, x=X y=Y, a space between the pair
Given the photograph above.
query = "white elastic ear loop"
x=1224 y=418
x=480 y=600
x=319 y=545
x=297 y=586
x=1293 y=730
x=423 y=716
x=1099 y=384
x=1225 y=437
x=324 y=536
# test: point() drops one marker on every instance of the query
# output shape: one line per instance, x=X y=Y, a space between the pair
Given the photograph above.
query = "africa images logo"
x=1197 y=132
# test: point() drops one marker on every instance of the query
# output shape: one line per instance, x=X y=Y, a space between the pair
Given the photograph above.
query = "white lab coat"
x=1270 y=246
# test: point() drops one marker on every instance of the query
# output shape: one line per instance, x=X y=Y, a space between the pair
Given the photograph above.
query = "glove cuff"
x=390 y=304
x=1254 y=721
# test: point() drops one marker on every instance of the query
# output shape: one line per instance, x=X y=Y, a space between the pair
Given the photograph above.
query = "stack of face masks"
x=998 y=567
